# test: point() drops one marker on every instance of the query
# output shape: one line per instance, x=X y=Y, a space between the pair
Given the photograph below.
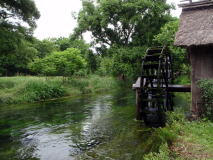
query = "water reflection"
x=57 y=130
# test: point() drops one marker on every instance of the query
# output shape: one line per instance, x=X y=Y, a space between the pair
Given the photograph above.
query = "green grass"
x=26 y=89
x=188 y=140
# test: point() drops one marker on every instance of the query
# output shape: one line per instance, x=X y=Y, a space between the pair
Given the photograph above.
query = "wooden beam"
x=171 y=88
x=179 y=88
x=191 y=4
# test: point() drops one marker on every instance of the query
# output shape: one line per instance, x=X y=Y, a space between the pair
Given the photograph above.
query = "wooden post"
x=138 y=104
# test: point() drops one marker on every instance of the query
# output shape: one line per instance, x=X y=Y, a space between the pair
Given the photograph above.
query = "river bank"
x=95 y=127
x=28 y=89
x=184 y=140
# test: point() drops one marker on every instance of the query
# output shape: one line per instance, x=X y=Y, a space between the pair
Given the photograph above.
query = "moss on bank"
x=27 y=89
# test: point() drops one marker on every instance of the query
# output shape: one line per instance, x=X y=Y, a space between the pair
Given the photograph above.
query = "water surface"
x=61 y=129
x=86 y=128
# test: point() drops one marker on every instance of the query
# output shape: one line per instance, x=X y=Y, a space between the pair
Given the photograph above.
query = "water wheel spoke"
x=156 y=76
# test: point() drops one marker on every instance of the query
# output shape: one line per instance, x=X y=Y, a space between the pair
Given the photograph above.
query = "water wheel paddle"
x=156 y=75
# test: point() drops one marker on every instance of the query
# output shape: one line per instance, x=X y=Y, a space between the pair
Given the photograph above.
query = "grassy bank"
x=27 y=89
x=185 y=140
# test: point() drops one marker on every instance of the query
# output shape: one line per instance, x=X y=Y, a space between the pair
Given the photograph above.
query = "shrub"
x=40 y=91
x=64 y=63
x=105 y=66
x=206 y=87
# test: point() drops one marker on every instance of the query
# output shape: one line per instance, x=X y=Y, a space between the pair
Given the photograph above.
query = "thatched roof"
x=196 y=27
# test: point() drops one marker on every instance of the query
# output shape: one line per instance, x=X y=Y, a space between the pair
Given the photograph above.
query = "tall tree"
x=167 y=37
x=24 y=10
x=122 y=22
x=15 y=49
x=45 y=47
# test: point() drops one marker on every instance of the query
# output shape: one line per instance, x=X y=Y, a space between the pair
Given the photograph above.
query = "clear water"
x=61 y=129
x=89 y=128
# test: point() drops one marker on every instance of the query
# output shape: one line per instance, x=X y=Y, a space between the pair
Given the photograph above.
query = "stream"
x=62 y=129
x=91 y=127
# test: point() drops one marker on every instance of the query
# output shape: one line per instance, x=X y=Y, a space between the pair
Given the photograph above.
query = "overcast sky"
x=56 y=17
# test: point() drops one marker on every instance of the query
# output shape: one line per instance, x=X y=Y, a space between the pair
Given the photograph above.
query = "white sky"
x=56 y=17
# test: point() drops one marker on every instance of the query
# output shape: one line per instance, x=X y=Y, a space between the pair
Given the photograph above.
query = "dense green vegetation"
x=184 y=140
x=122 y=31
x=33 y=89
x=207 y=94
x=64 y=63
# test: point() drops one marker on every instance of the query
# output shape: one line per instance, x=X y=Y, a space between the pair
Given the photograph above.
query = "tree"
x=125 y=62
x=64 y=63
x=122 y=22
x=24 y=10
x=45 y=47
x=167 y=37
x=64 y=43
x=15 y=51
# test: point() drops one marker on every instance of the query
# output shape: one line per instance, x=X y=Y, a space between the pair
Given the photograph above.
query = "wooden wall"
x=201 y=58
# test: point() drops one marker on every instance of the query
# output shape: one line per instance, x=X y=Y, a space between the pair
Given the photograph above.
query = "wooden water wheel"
x=156 y=75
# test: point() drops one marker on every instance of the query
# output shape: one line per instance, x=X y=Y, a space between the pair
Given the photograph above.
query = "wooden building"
x=196 y=35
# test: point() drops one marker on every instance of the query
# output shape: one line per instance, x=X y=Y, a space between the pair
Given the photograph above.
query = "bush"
x=126 y=61
x=64 y=63
x=206 y=87
x=105 y=67
x=40 y=91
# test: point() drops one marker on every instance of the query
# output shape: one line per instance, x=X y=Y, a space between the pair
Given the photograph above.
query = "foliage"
x=207 y=96
x=188 y=140
x=44 y=47
x=80 y=44
x=92 y=84
x=183 y=79
x=162 y=155
x=64 y=43
x=37 y=91
x=167 y=37
x=24 y=10
x=29 y=89
x=122 y=23
x=33 y=89
x=64 y=63
x=92 y=61
x=105 y=67
x=127 y=61
x=124 y=62
x=16 y=51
